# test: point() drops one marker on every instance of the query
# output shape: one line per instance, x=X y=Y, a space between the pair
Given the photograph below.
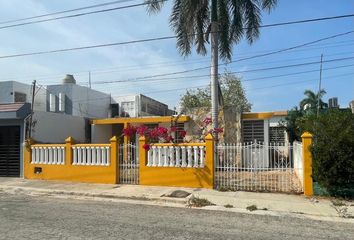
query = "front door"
x=10 y=151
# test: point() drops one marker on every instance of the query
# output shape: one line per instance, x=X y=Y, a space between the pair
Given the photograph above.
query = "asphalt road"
x=25 y=217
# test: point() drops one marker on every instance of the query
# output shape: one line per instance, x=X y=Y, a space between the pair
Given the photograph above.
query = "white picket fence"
x=48 y=154
x=169 y=155
x=91 y=155
x=257 y=167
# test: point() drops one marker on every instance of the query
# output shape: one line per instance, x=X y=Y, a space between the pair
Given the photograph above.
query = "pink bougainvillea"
x=182 y=133
x=129 y=131
x=207 y=121
x=142 y=130
x=146 y=146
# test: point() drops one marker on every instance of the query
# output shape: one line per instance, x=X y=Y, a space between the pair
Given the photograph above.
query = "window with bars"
x=179 y=128
x=20 y=97
x=253 y=130
x=277 y=134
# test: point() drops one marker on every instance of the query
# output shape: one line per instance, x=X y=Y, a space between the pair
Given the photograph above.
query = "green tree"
x=312 y=100
x=231 y=89
x=227 y=21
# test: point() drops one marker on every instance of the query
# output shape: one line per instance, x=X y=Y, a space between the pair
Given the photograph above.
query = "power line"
x=77 y=15
x=147 y=40
x=67 y=11
x=235 y=72
x=249 y=79
x=248 y=58
x=202 y=86
x=306 y=21
x=146 y=3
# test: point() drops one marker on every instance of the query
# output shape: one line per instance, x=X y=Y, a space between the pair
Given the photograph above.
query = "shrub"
x=333 y=150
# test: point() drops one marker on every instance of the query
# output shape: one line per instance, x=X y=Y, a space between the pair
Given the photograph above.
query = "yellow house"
x=260 y=126
x=264 y=126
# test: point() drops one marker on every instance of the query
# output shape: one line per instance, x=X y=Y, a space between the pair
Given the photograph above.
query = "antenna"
x=319 y=88
x=89 y=79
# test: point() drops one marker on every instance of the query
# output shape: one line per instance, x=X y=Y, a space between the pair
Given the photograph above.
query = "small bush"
x=252 y=208
x=228 y=206
x=333 y=150
x=199 y=202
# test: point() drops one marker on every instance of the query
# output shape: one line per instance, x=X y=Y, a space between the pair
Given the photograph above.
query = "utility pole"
x=319 y=88
x=32 y=107
x=89 y=79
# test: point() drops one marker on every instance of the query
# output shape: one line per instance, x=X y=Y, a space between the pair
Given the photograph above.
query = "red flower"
x=173 y=129
x=142 y=130
x=218 y=130
x=129 y=131
x=146 y=147
x=183 y=133
x=207 y=120
x=169 y=139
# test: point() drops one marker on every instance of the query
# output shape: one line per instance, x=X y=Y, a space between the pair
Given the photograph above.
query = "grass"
x=228 y=206
x=199 y=202
x=337 y=203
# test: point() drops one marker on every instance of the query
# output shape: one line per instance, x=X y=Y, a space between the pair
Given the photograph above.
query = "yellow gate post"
x=27 y=157
x=307 y=164
x=209 y=157
x=115 y=156
x=68 y=151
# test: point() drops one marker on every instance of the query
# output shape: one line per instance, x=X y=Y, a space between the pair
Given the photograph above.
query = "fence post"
x=114 y=157
x=210 y=157
x=68 y=151
x=307 y=163
x=142 y=157
x=27 y=156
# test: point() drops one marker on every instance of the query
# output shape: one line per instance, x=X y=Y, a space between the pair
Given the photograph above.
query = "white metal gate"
x=258 y=167
x=128 y=164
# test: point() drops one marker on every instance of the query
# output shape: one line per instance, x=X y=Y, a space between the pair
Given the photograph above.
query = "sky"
x=265 y=89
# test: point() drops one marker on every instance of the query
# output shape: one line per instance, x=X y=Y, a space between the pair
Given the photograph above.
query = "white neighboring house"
x=141 y=106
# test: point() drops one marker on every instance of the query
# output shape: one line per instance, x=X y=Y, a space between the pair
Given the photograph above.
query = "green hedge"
x=333 y=151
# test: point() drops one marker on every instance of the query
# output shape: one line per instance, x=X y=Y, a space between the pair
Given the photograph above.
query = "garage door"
x=9 y=151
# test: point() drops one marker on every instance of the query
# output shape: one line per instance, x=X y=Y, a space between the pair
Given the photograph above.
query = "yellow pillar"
x=126 y=142
x=27 y=157
x=115 y=157
x=307 y=164
x=209 y=157
x=68 y=151
x=142 y=155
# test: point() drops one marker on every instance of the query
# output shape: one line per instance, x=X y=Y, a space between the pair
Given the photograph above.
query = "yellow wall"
x=74 y=173
x=175 y=176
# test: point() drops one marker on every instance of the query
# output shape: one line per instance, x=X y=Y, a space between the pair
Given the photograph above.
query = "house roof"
x=146 y=120
x=264 y=115
x=14 y=110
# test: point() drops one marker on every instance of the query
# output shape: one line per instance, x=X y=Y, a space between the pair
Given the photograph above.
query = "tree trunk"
x=214 y=66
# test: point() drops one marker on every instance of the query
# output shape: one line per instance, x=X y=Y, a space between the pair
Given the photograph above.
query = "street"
x=28 y=217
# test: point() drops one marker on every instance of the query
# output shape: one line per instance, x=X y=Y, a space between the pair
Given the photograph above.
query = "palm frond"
x=252 y=19
x=154 y=6
x=224 y=26
x=269 y=4
x=236 y=27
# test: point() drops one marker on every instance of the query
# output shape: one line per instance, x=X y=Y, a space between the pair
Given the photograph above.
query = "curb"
x=159 y=201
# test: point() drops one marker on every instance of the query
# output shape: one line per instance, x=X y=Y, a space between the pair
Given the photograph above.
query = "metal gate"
x=257 y=167
x=128 y=164
x=10 y=151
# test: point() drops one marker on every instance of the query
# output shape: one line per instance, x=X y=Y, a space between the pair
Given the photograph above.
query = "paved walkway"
x=251 y=202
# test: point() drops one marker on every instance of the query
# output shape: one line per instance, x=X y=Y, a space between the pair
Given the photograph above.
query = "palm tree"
x=313 y=100
x=227 y=21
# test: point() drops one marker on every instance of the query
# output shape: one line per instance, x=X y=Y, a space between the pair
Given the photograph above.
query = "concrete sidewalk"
x=258 y=203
